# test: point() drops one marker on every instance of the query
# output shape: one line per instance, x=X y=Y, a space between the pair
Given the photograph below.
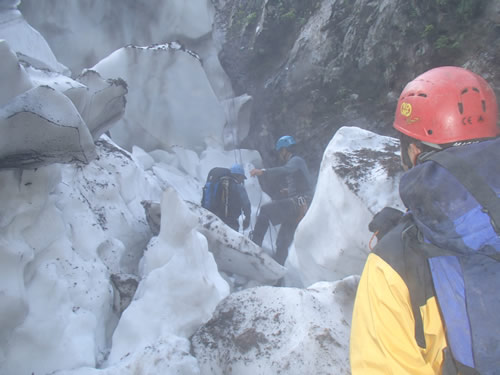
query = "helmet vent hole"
x=464 y=91
x=429 y=131
x=411 y=94
x=475 y=89
x=423 y=95
x=461 y=108
x=483 y=102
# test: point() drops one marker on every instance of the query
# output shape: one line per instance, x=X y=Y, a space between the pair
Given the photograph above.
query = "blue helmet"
x=285 y=141
x=238 y=169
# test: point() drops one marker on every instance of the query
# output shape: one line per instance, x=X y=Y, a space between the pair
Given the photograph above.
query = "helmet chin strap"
x=423 y=156
x=433 y=145
x=285 y=155
x=405 y=158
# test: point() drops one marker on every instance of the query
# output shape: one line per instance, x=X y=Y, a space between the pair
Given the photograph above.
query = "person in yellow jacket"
x=383 y=328
x=398 y=326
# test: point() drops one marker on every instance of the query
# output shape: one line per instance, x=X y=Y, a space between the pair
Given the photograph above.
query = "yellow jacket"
x=383 y=327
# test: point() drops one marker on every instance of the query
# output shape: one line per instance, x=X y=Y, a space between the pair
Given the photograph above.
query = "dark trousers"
x=284 y=212
x=232 y=222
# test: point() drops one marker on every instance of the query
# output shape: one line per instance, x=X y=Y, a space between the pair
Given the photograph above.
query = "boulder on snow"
x=269 y=330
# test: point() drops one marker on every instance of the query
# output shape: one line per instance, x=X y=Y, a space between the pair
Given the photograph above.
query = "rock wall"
x=315 y=66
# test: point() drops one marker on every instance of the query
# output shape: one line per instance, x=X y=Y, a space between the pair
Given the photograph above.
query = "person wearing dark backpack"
x=238 y=203
x=287 y=211
x=428 y=299
x=225 y=195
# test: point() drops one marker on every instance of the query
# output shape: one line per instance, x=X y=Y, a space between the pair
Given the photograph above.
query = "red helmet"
x=447 y=104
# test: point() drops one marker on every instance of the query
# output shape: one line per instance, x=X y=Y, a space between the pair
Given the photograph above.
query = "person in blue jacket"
x=287 y=211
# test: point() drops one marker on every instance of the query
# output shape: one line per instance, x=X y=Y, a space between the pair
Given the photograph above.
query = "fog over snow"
x=108 y=265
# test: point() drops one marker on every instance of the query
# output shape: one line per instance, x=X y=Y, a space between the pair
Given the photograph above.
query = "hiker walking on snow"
x=290 y=210
x=225 y=195
x=428 y=300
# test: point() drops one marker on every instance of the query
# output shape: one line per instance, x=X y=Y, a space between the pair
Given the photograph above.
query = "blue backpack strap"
x=467 y=291
x=481 y=276
x=444 y=267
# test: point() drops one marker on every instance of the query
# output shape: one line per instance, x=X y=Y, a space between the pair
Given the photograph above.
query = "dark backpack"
x=465 y=280
x=215 y=196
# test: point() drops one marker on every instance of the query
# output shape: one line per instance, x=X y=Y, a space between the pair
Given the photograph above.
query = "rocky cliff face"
x=313 y=66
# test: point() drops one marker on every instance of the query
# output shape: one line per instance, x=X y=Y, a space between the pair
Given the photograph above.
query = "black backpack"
x=215 y=196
